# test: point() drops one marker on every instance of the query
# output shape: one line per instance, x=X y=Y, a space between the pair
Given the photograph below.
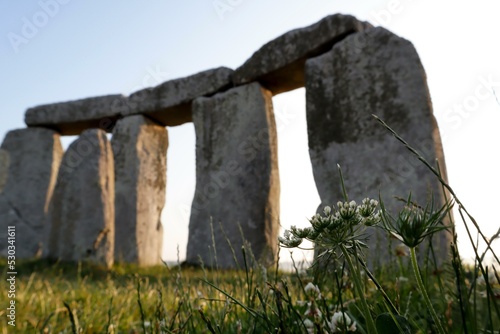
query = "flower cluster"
x=413 y=223
x=312 y=291
x=336 y=225
x=341 y=322
x=290 y=240
x=368 y=211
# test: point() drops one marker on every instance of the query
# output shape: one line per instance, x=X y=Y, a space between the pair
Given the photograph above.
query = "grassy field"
x=69 y=298
x=128 y=299
x=410 y=293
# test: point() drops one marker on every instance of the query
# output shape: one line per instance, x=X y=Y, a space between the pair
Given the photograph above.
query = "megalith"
x=29 y=162
x=372 y=72
x=73 y=117
x=140 y=151
x=83 y=206
x=237 y=181
x=279 y=64
x=4 y=167
x=170 y=102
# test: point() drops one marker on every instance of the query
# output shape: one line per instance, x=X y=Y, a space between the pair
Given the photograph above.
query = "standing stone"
x=140 y=148
x=372 y=72
x=29 y=161
x=83 y=206
x=237 y=179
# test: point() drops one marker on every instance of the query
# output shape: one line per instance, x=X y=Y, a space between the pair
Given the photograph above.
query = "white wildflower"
x=342 y=322
x=309 y=325
x=312 y=290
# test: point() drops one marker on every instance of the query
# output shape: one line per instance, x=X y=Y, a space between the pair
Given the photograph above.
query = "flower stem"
x=358 y=285
x=421 y=287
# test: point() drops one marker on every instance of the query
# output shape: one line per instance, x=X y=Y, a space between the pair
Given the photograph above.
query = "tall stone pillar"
x=237 y=178
x=83 y=206
x=372 y=72
x=140 y=150
x=29 y=162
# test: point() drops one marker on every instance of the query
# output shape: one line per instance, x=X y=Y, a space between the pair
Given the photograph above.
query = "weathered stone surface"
x=29 y=161
x=4 y=167
x=279 y=64
x=140 y=148
x=170 y=103
x=237 y=179
x=374 y=72
x=82 y=209
x=73 y=117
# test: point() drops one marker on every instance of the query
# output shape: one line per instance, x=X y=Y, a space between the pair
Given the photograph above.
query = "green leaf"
x=386 y=323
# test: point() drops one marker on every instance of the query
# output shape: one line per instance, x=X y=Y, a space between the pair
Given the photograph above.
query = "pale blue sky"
x=90 y=48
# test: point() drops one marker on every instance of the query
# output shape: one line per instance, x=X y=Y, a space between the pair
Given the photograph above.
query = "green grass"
x=190 y=300
x=98 y=297
x=405 y=295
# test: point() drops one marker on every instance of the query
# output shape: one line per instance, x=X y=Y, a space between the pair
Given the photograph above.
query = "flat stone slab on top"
x=73 y=117
x=170 y=102
x=279 y=64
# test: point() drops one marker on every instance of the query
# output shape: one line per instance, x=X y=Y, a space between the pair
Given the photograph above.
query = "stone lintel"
x=279 y=64
x=73 y=117
x=170 y=102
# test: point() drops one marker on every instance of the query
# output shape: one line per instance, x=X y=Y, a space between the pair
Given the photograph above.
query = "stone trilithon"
x=109 y=197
